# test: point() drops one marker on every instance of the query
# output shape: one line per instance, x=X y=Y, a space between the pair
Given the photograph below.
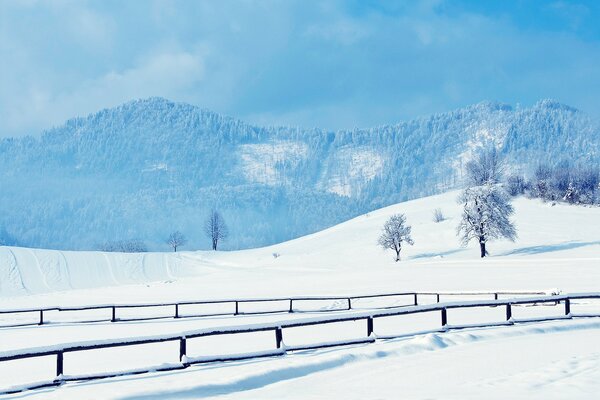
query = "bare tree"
x=486 y=214
x=395 y=231
x=215 y=228
x=176 y=239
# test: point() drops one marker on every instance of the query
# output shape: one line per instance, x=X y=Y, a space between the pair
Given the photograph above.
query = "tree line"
x=565 y=181
x=214 y=228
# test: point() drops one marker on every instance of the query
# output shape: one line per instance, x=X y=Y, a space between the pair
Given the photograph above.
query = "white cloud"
x=332 y=65
x=163 y=74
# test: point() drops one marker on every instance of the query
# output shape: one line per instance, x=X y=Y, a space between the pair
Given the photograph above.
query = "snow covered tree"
x=487 y=167
x=585 y=184
x=541 y=182
x=176 y=239
x=516 y=185
x=395 y=231
x=486 y=216
x=215 y=228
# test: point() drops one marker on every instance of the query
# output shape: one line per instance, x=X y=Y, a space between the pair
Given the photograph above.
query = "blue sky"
x=331 y=64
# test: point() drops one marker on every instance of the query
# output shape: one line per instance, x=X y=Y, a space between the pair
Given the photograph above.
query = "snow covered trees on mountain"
x=215 y=228
x=486 y=206
x=574 y=184
x=395 y=232
x=176 y=239
x=274 y=184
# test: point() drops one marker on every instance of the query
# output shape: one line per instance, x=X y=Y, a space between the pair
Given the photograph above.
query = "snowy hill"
x=149 y=167
x=558 y=247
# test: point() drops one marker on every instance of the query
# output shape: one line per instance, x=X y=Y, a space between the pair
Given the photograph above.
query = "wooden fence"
x=278 y=328
x=236 y=306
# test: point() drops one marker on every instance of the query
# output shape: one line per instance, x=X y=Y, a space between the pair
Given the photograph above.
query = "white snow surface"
x=558 y=249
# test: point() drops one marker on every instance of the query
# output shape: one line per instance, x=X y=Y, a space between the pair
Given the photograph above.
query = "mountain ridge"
x=152 y=166
x=490 y=105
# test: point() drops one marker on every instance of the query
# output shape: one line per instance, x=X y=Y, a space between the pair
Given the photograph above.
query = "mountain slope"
x=149 y=167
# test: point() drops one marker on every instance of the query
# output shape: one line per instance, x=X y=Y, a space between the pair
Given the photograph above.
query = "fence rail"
x=278 y=328
x=42 y=312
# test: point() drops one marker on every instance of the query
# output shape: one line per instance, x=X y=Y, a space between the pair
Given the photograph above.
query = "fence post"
x=41 y=318
x=237 y=307
x=437 y=297
x=278 y=337
x=567 y=306
x=369 y=326
x=349 y=303
x=114 y=314
x=59 y=364
x=495 y=296
x=176 y=310
x=182 y=348
x=444 y=317
x=291 y=305
x=508 y=312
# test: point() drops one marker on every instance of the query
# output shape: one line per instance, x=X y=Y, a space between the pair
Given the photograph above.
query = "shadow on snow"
x=549 y=248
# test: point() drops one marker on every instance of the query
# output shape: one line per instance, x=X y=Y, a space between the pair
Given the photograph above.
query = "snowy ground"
x=558 y=247
x=551 y=360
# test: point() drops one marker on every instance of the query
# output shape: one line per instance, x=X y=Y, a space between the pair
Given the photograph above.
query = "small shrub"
x=124 y=246
x=438 y=215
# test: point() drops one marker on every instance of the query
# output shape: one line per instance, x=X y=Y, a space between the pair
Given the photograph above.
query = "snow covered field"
x=558 y=249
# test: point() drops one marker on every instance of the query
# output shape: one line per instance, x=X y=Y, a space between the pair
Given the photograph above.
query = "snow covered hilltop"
x=149 y=167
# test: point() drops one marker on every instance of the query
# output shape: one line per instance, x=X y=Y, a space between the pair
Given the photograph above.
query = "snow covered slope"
x=558 y=246
x=149 y=167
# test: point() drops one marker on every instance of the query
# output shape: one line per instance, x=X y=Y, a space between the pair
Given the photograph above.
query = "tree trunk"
x=397 y=255
x=482 y=248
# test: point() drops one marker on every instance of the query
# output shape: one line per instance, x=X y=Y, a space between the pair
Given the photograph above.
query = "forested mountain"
x=150 y=167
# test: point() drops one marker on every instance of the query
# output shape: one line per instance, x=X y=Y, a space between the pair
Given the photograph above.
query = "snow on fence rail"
x=278 y=328
x=346 y=303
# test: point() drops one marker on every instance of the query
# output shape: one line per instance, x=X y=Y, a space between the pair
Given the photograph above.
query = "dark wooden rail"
x=236 y=305
x=278 y=329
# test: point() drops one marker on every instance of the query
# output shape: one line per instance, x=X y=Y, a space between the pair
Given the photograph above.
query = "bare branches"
x=176 y=239
x=215 y=228
x=438 y=215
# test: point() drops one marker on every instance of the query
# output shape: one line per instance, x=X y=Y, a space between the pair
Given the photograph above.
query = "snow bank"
x=29 y=271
